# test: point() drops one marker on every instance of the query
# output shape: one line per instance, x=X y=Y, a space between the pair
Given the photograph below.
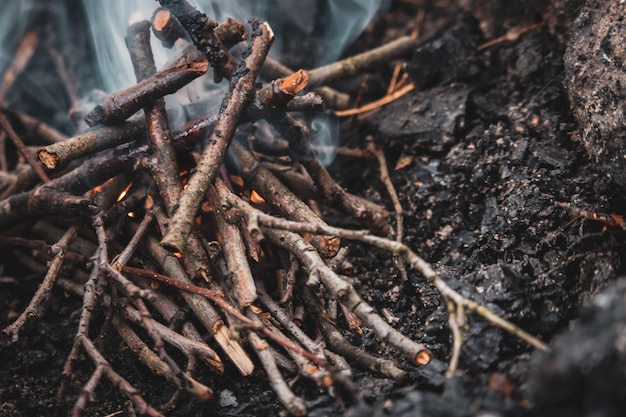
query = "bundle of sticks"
x=155 y=223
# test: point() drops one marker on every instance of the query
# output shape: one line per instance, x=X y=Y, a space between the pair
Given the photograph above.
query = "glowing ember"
x=256 y=198
x=123 y=193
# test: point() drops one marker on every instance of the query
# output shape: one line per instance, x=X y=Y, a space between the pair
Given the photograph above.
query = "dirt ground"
x=492 y=174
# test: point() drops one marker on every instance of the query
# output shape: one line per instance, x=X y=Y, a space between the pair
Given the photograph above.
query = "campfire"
x=203 y=188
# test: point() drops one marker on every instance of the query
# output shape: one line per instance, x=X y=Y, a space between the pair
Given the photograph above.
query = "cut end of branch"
x=48 y=159
x=295 y=83
x=161 y=18
x=424 y=357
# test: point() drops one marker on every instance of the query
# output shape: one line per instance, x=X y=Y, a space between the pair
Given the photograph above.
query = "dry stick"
x=333 y=99
x=333 y=193
x=165 y=27
x=34 y=127
x=25 y=178
x=164 y=168
x=386 y=179
x=203 y=310
x=168 y=29
x=419 y=19
x=456 y=320
x=192 y=343
x=120 y=105
x=378 y=103
x=25 y=51
x=60 y=154
x=201 y=30
x=512 y=35
x=294 y=404
x=87 y=391
x=89 y=304
x=189 y=384
x=239 y=95
x=256 y=217
x=59 y=196
x=40 y=246
x=188 y=346
x=287 y=322
x=25 y=152
x=280 y=197
x=141 y=350
x=321 y=377
x=279 y=92
x=235 y=254
x=294 y=267
x=346 y=294
x=343 y=347
x=353 y=65
x=37 y=303
x=307 y=102
x=231 y=32
x=117 y=380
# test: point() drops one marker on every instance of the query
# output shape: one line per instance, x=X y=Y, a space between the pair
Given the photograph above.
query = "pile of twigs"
x=158 y=225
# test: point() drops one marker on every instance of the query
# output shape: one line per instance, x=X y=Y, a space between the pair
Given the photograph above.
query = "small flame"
x=178 y=255
x=256 y=198
x=131 y=214
x=124 y=192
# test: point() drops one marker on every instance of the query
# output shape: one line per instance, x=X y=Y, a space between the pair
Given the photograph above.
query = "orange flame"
x=256 y=198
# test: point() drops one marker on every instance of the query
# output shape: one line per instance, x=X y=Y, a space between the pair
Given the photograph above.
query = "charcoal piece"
x=583 y=373
x=595 y=60
x=447 y=59
x=429 y=119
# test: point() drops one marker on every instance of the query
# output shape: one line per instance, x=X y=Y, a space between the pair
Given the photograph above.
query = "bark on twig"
x=373 y=58
x=235 y=253
x=334 y=99
x=288 y=399
x=203 y=310
x=122 y=104
x=239 y=95
x=281 y=198
x=37 y=303
x=340 y=345
x=201 y=30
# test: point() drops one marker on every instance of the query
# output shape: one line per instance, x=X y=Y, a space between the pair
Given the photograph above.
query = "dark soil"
x=489 y=148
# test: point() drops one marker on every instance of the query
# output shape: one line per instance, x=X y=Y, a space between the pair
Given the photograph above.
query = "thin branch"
x=22 y=149
x=239 y=95
x=37 y=303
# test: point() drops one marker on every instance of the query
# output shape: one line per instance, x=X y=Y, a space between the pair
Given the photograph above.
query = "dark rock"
x=449 y=58
x=429 y=119
x=595 y=80
x=583 y=373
